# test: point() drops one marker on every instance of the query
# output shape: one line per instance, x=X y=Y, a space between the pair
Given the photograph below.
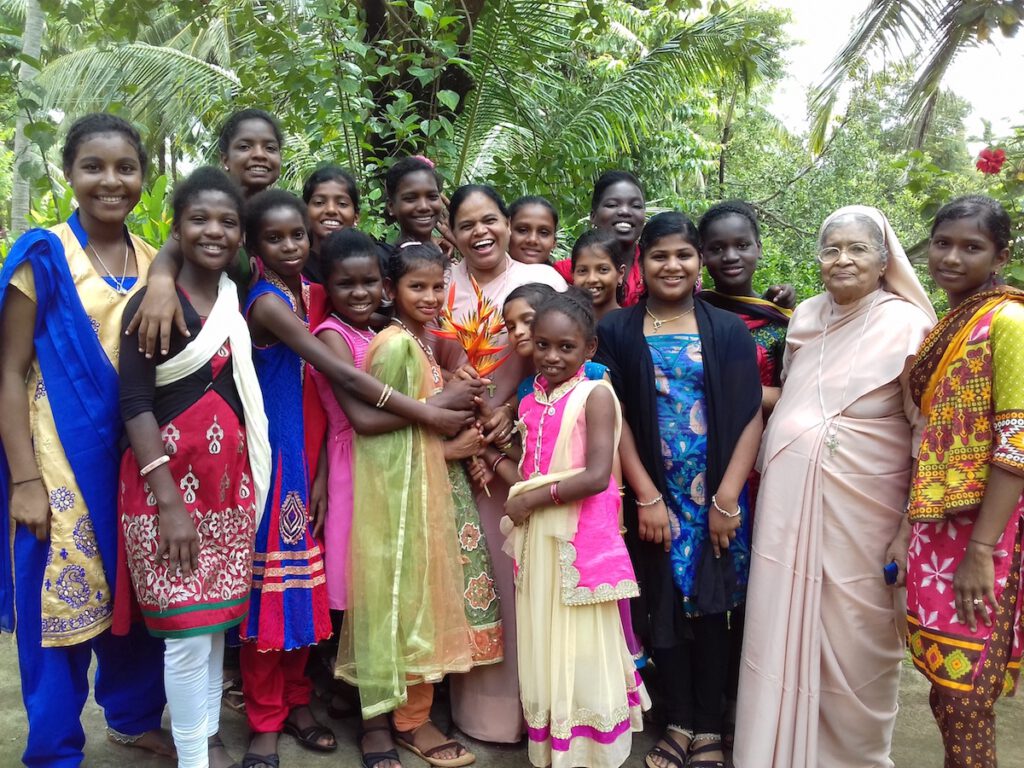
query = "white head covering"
x=899 y=277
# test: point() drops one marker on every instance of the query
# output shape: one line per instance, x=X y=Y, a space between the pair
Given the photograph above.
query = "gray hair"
x=877 y=238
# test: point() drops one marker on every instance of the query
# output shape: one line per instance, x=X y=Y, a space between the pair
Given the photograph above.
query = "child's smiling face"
x=417 y=205
x=355 y=288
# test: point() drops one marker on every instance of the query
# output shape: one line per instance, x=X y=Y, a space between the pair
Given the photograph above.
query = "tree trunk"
x=31 y=45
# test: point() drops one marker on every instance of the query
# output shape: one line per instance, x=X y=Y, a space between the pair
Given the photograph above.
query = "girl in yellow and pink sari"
x=964 y=585
x=581 y=693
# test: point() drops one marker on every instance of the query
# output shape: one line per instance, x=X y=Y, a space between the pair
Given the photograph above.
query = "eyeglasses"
x=856 y=251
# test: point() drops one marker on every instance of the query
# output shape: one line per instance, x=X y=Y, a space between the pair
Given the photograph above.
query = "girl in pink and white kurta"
x=580 y=689
x=581 y=693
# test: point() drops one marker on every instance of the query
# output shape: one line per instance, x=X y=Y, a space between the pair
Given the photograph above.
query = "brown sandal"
x=405 y=739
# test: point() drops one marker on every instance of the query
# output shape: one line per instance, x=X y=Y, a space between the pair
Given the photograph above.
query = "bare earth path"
x=916 y=745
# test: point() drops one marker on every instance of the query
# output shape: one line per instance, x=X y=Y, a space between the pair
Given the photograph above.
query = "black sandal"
x=310 y=737
x=252 y=760
x=711 y=746
x=373 y=759
x=675 y=755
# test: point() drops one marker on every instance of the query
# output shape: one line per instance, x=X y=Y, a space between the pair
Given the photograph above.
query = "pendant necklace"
x=656 y=322
x=435 y=369
x=832 y=424
x=118 y=284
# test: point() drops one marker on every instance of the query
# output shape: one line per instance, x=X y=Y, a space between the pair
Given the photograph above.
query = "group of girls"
x=318 y=463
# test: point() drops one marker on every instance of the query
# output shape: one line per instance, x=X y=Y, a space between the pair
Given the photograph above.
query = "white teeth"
x=110 y=199
x=481 y=244
x=331 y=223
x=623 y=226
x=259 y=169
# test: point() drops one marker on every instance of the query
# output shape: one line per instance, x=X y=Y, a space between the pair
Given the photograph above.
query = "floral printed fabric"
x=682 y=421
x=975 y=419
x=207 y=447
x=481 y=600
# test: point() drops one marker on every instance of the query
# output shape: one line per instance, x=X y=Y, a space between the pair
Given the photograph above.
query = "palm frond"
x=512 y=37
x=621 y=112
x=166 y=88
x=941 y=28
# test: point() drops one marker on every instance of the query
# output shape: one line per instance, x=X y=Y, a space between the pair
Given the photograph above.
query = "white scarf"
x=226 y=323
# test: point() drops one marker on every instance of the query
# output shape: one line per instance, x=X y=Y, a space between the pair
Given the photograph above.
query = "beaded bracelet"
x=714 y=503
x=158 y=462
x=650 y=503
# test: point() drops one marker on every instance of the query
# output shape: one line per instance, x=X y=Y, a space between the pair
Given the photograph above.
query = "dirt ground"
x=916 y=743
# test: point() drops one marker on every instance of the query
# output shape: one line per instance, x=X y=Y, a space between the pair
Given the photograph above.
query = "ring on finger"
x=977 y=601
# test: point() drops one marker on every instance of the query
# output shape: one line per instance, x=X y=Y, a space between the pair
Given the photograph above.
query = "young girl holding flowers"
x=406 y=627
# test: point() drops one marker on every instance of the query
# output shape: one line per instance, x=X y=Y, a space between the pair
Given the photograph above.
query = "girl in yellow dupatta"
x=964 y=586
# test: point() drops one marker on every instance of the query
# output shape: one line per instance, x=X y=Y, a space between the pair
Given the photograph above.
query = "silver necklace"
x=832 y=425
x=366 y=336
x=118 y=284
x=435 y=369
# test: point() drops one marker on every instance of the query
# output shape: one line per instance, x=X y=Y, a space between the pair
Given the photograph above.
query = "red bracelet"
x=497 y=461
x=554 y=494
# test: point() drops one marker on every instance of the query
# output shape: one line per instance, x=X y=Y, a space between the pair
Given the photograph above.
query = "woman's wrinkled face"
x=856 y=269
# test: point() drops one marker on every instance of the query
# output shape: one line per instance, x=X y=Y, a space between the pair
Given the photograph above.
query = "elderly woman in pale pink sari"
x=485 y=702
x=821 y=659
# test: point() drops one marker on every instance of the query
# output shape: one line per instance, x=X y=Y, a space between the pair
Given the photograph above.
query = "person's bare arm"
x=30 y=505
x=975 y=576
x=160 y=311
x=600 y=409
x=269 y=315
x=652 y=518
x=722 y=529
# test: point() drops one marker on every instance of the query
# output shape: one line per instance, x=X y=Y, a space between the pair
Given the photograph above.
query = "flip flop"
x=404 y=740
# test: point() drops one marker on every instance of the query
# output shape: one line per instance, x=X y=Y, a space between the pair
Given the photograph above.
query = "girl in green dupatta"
x=406 y=626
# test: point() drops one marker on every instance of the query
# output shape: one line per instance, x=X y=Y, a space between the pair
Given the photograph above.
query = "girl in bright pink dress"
x=581 y=693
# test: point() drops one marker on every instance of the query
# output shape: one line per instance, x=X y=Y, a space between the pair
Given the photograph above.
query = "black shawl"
x=732 y=392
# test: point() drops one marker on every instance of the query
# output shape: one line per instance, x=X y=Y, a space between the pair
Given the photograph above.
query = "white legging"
x=193 y=676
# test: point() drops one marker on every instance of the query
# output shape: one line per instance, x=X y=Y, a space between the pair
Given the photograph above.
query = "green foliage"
x=937 y=185
x=491 y=90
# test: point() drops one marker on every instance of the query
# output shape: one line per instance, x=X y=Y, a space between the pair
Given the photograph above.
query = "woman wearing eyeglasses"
x=824 y=640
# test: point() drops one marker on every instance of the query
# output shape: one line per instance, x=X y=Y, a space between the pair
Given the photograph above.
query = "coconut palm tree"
x=934 y=30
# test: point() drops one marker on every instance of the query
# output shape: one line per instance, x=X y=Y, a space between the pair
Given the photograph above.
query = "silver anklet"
x=122 y=738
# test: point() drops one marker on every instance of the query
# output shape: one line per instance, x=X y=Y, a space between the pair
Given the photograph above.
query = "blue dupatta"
x=82 y=386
